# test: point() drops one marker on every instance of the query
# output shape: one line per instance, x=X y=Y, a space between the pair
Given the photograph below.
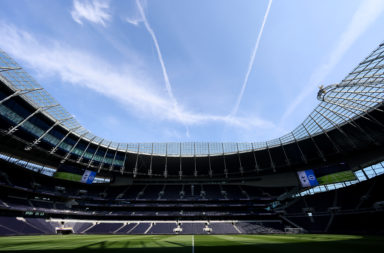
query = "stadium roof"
x=361 y=91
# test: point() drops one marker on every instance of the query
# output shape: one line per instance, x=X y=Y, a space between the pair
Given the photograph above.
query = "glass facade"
x=361 y=175
x=48 y=171
x=360 y=92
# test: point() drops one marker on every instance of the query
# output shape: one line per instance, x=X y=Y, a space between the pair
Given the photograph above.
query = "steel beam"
x=114 y=157
x=41 y=109
x=19 y=93
x=257 y=168
x=85 y=150
x=326 y=134
x=37 y=141
x=105 y=155
x=338 y=128
x=298 y=146
x=317 y=147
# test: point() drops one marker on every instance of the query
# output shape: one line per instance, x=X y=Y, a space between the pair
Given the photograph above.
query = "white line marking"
x=193 y=244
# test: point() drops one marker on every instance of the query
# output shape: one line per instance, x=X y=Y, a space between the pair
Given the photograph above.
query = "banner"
x=74 y=174
x=88 y=177
x=307 y=178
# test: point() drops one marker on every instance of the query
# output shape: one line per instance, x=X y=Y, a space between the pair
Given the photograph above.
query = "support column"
x=285 y=154
x=85 y=150
x=150 y=164
x=225 y=164
x=317 y=147
x=270 y=158
x=337 y=127
x=19 y=93
x=257 y=168
x=352 y=109
x=37 y=141
x=73 y=147
x=93 y=155
x=53 y=150
x=166 y=161
x=301 y=151
x=241 y=169
x=326 y=134
x=194 y=158
x=122 y=169
x=350 y=120
x=114 y=157
x=209 y=163
x=14 y=129
x=137 y=161
x=3 y=69
x=180 y=163
x=102 y=161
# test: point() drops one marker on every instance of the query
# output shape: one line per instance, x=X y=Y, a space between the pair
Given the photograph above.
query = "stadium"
x=317 y=188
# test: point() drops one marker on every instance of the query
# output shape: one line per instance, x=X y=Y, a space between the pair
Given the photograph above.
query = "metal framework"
x=360 y=92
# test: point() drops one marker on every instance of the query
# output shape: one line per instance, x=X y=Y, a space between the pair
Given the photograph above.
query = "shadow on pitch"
x=364 y=244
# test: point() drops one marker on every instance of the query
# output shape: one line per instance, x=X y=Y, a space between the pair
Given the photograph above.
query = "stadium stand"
x=55 y=176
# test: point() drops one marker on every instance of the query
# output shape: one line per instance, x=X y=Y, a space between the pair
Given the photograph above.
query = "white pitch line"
x=193 y=244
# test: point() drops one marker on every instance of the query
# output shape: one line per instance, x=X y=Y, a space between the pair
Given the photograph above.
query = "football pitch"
x=307 y=243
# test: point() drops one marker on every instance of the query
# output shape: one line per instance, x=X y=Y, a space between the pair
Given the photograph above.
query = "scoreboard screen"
x=326 y=175
x=73 y=174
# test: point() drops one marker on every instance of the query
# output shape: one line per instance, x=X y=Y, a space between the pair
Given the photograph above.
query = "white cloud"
x=364 y=16
x=124 y=84
x=134 y=21
x=96 y=11
x=252 y=60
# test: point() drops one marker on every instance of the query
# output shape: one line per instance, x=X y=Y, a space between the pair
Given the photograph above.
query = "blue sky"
x=183 y=70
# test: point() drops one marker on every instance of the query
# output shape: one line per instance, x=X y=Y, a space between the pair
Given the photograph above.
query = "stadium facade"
x=57 y=176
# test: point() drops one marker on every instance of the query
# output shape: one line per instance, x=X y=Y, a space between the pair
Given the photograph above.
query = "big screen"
x=73 y=174
x=331 y=174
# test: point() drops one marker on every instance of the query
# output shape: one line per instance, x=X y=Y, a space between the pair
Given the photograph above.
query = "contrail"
x=168 y=86
x=252 y=60
x=159 y=55
x=365 y=15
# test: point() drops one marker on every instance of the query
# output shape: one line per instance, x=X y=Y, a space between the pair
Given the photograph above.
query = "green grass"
x=337 y=177
x=308 y=243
